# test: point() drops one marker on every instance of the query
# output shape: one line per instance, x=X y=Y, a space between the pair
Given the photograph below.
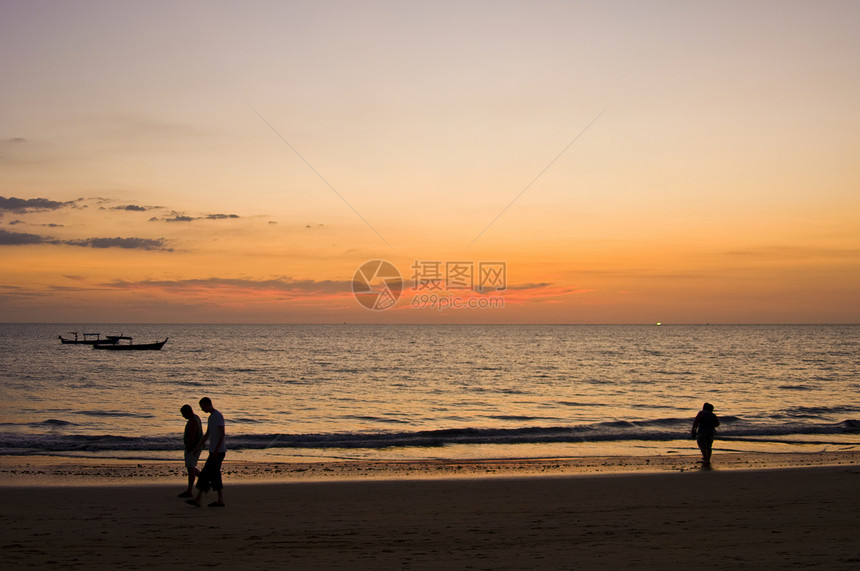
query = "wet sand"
x=649 y=517
x=53 y=470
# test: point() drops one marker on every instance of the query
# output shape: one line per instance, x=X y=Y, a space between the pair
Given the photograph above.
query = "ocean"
x=334 y=392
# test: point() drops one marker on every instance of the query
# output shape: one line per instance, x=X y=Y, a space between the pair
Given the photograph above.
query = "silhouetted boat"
x=131 y=345
x=90 y=339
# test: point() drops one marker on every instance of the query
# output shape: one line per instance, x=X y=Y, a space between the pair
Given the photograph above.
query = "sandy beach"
x=773 y=517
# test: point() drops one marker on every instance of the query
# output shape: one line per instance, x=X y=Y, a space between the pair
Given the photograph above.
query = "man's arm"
x=198 y=433
x=202 y=440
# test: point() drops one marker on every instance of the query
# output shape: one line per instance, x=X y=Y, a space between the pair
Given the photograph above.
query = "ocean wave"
x=517 y=418
x=660 y=430
x=53 y=422
x=246 y=420
x=819 y=411
x=112 y=413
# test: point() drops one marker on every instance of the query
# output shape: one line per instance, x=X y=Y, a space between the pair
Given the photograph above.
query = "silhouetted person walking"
x=210 y=476
x=704 y=428
x=192 y=441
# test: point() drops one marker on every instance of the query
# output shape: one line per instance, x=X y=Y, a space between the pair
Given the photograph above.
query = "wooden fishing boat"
x=131 y=345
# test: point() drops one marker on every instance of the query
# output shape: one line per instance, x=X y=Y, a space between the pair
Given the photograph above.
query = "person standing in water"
x=210 y=476
x=704 y=428
x=193 y=442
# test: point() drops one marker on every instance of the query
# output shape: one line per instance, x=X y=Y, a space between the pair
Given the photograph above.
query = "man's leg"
x=192 y=474
x=217 y=483
x=705 y=445
x=204 y=479
x=702 y=447
x=191 y=468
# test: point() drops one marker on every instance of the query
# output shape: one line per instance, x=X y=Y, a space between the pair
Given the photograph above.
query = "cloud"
x=23 y=205
x=27 y=205
x=125 y=243
x=529 y=286
x=282 y=284
x=177 y=217
x=24 y=239
x=21 y=239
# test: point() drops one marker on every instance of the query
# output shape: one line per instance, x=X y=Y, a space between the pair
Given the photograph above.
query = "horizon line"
x=646 y=324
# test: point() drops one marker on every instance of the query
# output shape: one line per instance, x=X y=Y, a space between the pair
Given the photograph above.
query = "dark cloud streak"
x=283 y=284
x=21 y=239
x=177 y=217
x=22 y=205
x=529 y=286
x=24 y=239
x=124 y=243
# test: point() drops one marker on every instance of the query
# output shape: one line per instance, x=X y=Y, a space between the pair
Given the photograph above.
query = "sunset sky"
x=238 y=162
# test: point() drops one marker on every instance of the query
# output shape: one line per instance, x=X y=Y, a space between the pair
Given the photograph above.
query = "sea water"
x=324 y=392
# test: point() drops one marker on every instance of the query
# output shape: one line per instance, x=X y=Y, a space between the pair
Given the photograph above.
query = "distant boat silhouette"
x=131 y=345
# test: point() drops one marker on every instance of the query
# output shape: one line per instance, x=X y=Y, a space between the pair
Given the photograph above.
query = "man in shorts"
x=192 y=441
x=210 y=476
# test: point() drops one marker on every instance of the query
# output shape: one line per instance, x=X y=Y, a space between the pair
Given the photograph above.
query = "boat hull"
x=133 y=346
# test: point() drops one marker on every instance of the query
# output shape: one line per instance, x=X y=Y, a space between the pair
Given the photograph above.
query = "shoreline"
x=65 y=471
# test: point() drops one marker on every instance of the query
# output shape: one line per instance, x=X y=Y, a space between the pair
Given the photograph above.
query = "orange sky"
x=206 y=162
